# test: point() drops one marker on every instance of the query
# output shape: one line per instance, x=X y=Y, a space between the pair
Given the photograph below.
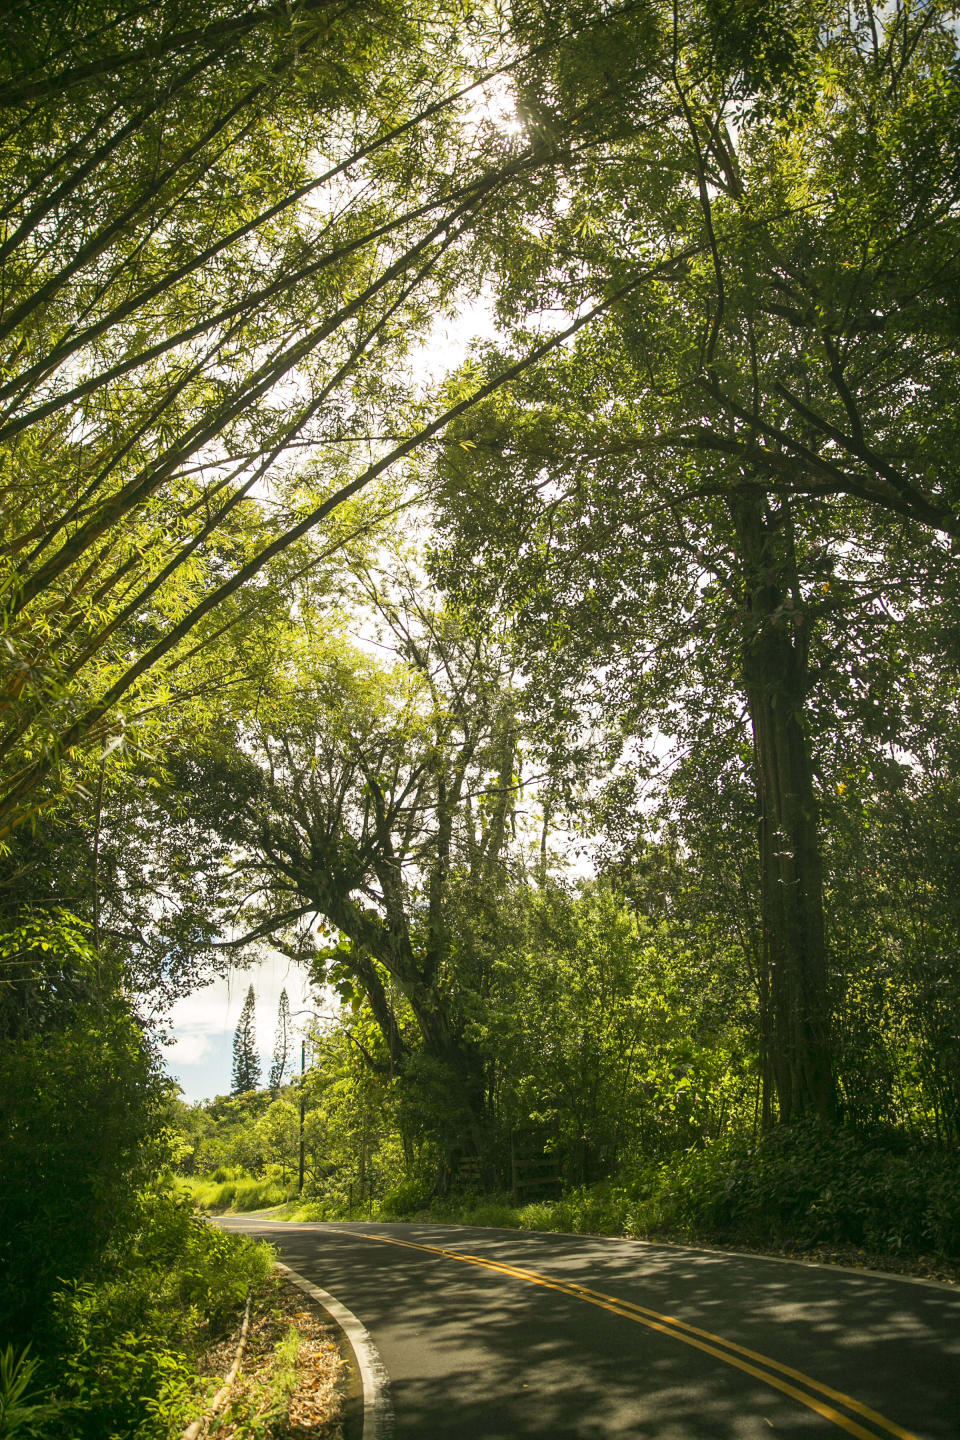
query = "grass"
x=236 y=1195
x=600 y=1210
x=594 y=1210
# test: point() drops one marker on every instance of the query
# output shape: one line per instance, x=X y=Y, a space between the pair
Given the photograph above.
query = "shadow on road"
x=477 y=1355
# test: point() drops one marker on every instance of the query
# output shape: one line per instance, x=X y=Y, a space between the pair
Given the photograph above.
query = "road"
x=503 y=1335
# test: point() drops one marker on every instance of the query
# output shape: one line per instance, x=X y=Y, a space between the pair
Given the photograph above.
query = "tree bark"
x=795 y=1007
x=366 y=973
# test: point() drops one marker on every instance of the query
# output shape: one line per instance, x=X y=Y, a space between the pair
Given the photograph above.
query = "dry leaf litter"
x=255 y=1408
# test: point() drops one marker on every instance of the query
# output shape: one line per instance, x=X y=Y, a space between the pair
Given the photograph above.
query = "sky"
x=200 y=1057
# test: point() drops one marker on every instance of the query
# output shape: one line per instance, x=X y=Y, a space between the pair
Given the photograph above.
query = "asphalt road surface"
x=504 y=1335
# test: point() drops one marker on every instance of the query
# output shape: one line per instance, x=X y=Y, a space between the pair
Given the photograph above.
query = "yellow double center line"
x=814 y=1395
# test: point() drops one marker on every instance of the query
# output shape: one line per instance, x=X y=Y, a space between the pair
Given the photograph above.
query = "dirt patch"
x=292 y=1377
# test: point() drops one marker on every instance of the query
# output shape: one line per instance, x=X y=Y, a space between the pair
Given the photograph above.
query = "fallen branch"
x=195 y=1427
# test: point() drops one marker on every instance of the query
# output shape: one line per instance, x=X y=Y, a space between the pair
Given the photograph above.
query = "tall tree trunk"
x=775 y=672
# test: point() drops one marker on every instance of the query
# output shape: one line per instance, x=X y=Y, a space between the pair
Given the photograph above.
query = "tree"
x=801 y=166
x=708 y=429
x=246 y=1060
x=365 y=794
x=611 y=1036
x=282 y=1045
x=278 y=1131
x=150 y=883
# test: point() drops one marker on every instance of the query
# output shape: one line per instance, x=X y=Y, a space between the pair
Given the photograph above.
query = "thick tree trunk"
x=794 y=987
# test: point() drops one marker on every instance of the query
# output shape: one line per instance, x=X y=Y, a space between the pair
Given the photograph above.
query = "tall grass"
x=238 y=1194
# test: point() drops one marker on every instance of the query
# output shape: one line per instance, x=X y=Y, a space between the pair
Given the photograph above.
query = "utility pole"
x=303 y=1066
x=303 y=1098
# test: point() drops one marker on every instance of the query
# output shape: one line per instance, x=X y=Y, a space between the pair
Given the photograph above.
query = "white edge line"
x=378 y=1418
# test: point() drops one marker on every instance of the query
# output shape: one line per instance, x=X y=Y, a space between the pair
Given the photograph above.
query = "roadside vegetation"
x=141 y=1347
x=122 y=1348
x=578 y=706
x=878 y=1200
x=245 y=1192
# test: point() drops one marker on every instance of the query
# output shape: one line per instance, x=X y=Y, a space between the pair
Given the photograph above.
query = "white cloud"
x=189 y=1048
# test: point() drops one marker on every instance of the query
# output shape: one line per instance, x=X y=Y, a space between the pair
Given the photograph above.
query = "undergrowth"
x=808 y=1187
x=236 y=1193
x=121 y=1355
x=797 y=1189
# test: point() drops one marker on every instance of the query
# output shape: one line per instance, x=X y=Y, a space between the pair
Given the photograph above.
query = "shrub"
x=405 y=1200
x=79 y=1115
x=799 y=1187
x=126 y=1344
x=805 y=1186
x=498 y=1215
x=591 y=1210
x=21 y=1414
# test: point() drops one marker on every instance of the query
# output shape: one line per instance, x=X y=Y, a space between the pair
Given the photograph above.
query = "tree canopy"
x=580 y=711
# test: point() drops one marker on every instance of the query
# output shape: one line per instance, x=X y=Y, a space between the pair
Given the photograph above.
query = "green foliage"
x=796 y=1188
x=21 y=1414
x=80 y=1105
x=695 y=568
x=766 y=48
x=804 y=1187
x=47 y=965
x=181 y=261
x=279 y=1130
x=895 y=847
x=603 y=1209
x=223 y=1137
x=405 y=1201
x=134 y=865
x=128 y=1341
x=595 y=1210
x=699 y=504
x=609 y=1035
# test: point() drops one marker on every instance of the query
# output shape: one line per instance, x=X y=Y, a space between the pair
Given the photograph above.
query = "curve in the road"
x=506 y=1335
x=378 y=1418
x=749 y=1361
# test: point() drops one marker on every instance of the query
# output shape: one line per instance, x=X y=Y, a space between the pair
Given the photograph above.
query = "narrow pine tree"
x=282 y=1045
x=246 y=1061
